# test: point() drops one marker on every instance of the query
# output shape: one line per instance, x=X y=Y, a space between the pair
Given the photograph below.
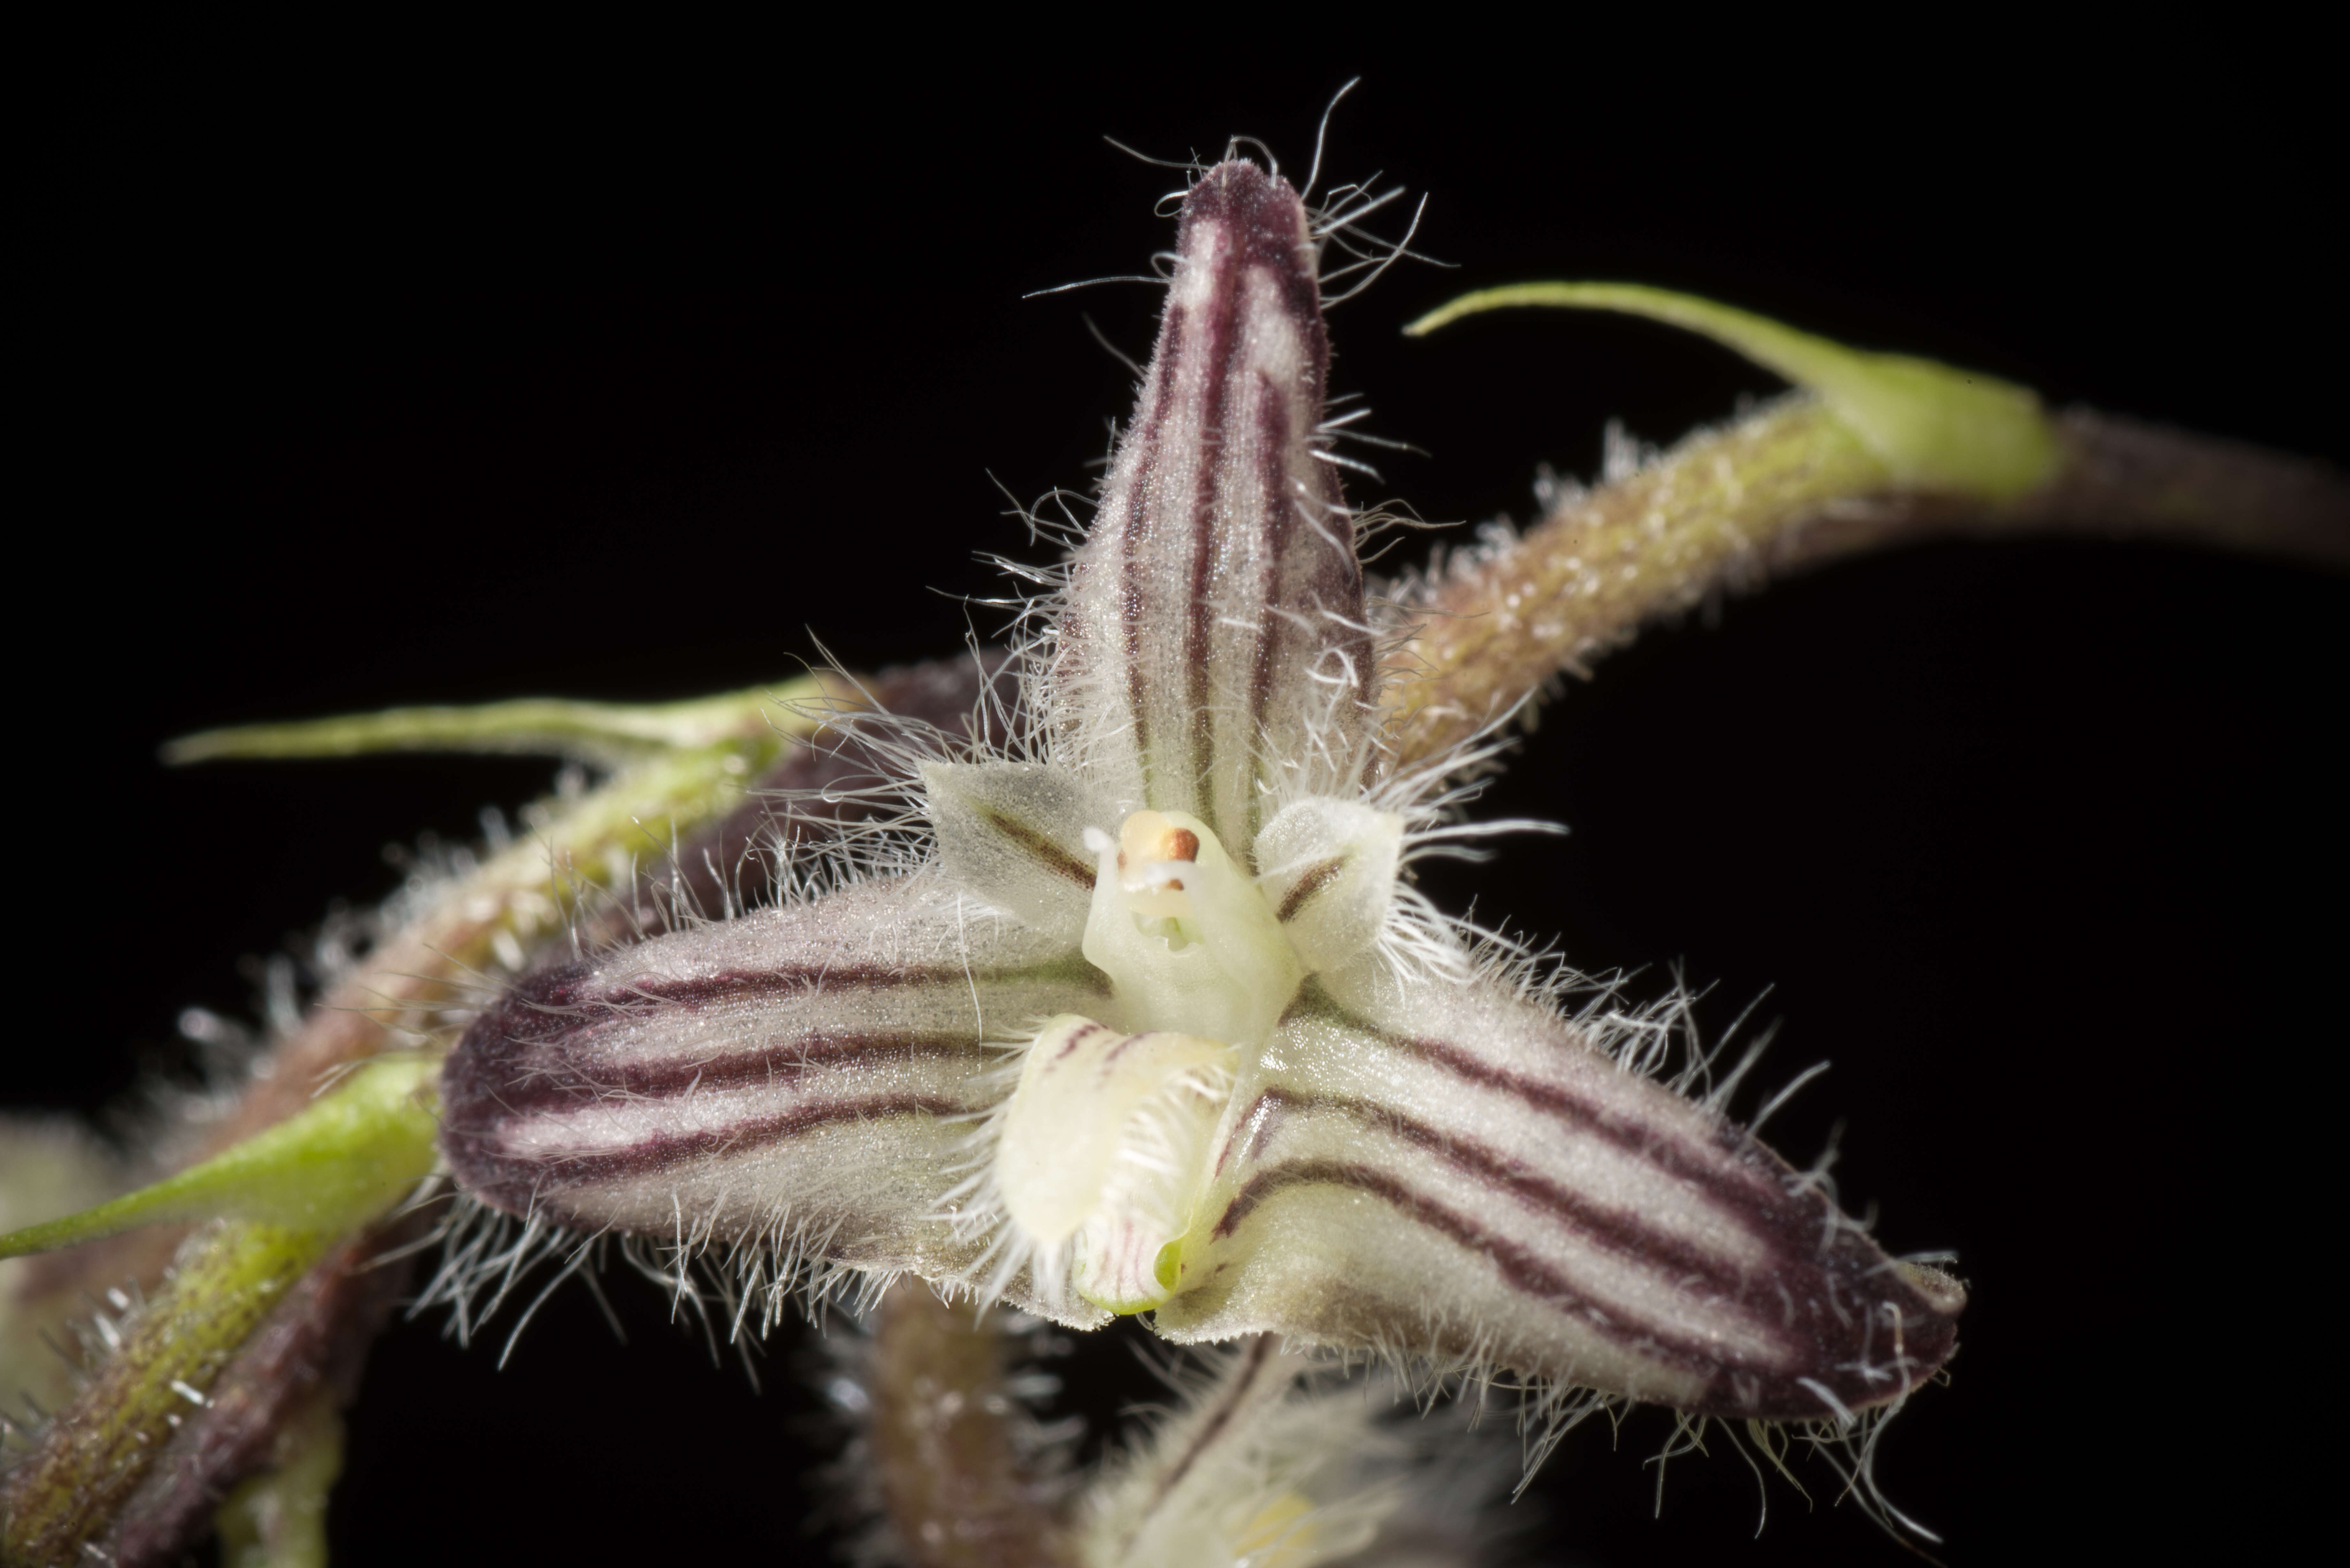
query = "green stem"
x=1878 y=451
x=609 y=733
x=335 y=1165
x=278 y=1519
x=94 y=1453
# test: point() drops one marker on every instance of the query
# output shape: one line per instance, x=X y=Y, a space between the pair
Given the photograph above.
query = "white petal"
x=1329 y=872
x=1013 y=834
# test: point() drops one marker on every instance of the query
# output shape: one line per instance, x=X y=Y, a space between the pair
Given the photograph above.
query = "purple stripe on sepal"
x=558 y=1075
x=1832 y=1305
x=1613 y=1230
x=1695 y=1158
x=1451 y=1164
x=795 y=1063
x=1220 y=576
x=545 y=1186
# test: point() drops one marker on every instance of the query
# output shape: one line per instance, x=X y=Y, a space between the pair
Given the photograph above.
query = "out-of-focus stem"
x=237 y=1363
x=97 y=1451
x=1791 y=486
x=2127 y=479
x=225 y=1298
x=1258 y=1377
x=609 y=733
x=521 y=898
x=517 y=900
x=278 y=1519
x=950 y=1474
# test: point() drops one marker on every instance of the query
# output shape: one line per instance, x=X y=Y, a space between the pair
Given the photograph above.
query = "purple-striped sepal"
x=1442 y=1164
x=807 y=1075
x=1212 y=654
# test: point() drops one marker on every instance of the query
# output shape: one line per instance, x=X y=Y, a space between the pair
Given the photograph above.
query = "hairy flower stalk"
x=962 y=1478
x=232 y=1367
x=1871 y=451
x=1140 y=1015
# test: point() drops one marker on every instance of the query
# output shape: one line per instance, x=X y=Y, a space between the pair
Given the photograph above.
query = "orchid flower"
x=1146 y=1016
x=1118 y=1000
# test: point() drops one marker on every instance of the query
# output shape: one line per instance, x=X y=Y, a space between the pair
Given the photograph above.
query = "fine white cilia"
x=1137 y=1012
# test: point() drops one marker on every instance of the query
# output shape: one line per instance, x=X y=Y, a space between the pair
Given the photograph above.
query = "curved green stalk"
x=65 y=1495
x=607 y=732
x=279 y=1518
x=1934 y=426
x=327 y=1168
x=1874 y=450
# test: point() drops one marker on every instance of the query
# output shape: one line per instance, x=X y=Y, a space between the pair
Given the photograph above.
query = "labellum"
x=1146 y=1017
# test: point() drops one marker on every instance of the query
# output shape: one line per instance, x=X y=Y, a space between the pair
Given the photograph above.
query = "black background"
x=361 y=380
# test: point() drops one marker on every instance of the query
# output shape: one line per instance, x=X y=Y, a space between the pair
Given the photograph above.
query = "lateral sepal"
x=802 y=1072
x=1447 y=1166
